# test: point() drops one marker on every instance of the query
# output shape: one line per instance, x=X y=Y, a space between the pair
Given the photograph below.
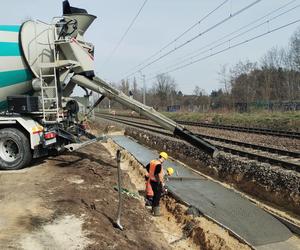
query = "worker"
x=149 y=191
x=156 y=180
x=130 y=94
x=170 y=171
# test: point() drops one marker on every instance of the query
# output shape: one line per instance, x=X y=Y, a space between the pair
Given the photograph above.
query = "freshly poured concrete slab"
x=225 y=206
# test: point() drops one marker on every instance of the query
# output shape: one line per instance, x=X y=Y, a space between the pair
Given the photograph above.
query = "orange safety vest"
x=152 y=168
x=149 y=190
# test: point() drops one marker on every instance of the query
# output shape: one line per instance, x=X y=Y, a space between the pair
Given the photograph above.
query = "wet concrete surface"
x=224 y=206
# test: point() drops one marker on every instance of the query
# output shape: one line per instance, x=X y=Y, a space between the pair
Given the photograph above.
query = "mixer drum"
x=15 y=76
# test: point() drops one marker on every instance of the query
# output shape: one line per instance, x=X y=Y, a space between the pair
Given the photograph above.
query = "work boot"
x=156 y=211
x=148 y=203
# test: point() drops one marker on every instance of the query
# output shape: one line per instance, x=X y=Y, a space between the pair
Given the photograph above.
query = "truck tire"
x=15 y=151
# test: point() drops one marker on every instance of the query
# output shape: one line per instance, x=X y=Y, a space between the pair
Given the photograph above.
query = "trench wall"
x=269 y=183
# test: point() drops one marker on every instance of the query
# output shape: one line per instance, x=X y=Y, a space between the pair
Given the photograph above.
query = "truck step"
x=47 y=76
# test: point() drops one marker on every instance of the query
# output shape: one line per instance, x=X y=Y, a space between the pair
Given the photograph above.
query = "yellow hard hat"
x=164 y=155
x=170 y=171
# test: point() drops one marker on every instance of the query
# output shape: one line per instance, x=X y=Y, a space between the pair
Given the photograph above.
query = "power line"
x=178 y=37
x=188 y=57
x=231 y=47
x=125 y=33
x=197 y=36
x=239 y=29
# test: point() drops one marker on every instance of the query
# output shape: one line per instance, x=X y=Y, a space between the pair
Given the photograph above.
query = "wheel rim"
x=9 y=150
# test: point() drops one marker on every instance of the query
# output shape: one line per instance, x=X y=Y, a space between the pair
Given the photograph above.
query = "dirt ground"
x=69 y=202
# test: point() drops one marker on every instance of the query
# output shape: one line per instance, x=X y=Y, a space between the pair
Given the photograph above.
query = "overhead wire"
x=125 y=33
x=230 y=47
x=197 y=52
x=188 y=57
x=179 y=36
x=197 y=36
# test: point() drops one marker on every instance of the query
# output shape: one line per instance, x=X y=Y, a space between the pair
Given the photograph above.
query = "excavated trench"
x=271 y=184
x=180 y=225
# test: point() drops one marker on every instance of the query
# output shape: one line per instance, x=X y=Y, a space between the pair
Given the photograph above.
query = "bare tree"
x=165 y=90
x=295 y=49
x=224 y=78
x=201 y=100
x=242 y=86
x=274 y=58
x=124 y=87
x=135 y=88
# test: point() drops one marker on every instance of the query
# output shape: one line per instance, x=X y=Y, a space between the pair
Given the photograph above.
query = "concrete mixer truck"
x=40 y=65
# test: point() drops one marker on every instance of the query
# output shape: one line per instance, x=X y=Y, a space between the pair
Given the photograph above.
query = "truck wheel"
x=15 y=151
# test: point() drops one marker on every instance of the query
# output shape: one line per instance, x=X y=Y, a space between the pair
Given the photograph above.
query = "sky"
x=159 y=23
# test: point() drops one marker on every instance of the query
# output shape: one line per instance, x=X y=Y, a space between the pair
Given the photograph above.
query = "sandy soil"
x=69 y=202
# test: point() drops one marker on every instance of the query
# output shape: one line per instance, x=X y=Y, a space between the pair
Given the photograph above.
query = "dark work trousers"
x=157 y=190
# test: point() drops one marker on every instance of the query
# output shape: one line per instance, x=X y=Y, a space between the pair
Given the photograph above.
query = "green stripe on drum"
x=3 y=105
x=9 y=78
x=10 y=28
x=10 y=49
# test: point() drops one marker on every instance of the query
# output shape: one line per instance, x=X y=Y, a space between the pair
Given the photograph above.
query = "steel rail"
x=243 y=144
x=244 y=153
x=262 y=131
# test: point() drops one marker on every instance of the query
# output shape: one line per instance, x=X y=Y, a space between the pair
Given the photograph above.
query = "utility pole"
x=109 y=108
x=144 y=87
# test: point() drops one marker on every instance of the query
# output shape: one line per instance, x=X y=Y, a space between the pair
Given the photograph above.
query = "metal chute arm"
x=100 y=86
x=107 y=90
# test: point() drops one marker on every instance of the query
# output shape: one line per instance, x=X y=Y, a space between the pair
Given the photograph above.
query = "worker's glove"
x=164 y=190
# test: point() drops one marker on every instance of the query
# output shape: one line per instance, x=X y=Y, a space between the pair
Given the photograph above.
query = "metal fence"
x=271 y=106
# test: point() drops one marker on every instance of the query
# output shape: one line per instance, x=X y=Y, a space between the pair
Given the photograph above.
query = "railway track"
x=262 y=131
x=274 y=156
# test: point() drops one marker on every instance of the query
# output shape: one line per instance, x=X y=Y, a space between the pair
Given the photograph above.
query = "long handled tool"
x=118 y=221
x=186 y=178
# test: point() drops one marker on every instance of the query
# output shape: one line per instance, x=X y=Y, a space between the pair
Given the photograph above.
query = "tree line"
x=273 y=80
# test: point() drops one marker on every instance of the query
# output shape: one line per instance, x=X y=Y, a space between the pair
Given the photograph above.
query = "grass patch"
x=262 y=119
x=272 y=120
